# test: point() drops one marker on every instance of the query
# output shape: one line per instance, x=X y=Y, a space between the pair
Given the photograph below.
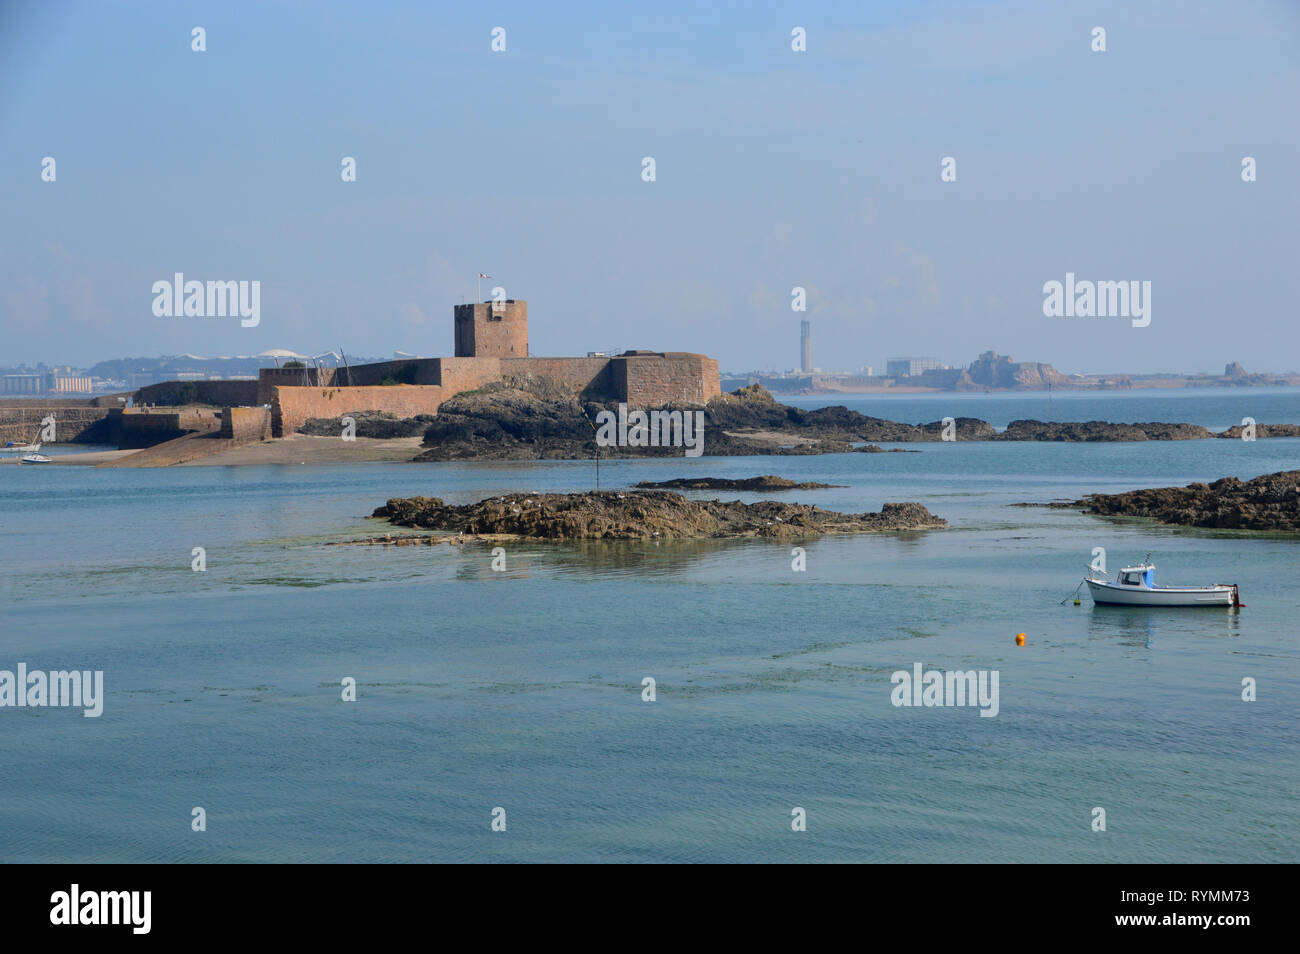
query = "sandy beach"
x=297 y=449
x=303 y=449
x=88 y=459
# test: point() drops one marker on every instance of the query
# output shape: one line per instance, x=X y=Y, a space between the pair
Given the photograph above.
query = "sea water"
x=523 y=690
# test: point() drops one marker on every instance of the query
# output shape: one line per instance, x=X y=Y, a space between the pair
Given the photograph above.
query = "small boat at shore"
x=1136 y=586
x=27 y=453
x=13 y=448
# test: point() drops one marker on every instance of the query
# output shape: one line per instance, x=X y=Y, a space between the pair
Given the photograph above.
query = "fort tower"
x=492 y=329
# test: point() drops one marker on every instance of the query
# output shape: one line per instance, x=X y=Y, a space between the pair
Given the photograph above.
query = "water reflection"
x=646 y=557
x=1139 y=626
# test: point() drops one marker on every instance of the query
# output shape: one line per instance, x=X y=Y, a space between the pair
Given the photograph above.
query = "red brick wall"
x=580 y=374
x=671 y=378
x=246 y=424
x=467 y=374
x=268 y=379
x=137 y=427
x=292 y=407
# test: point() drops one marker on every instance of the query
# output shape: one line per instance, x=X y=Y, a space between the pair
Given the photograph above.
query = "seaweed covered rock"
x=1269 y=502
x=643 y=515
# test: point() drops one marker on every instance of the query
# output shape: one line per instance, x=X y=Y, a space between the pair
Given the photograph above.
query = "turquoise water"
x=522 y=689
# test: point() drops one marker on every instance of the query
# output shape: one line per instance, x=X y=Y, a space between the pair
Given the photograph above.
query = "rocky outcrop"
x=376 y=424
x=502 y=422
x=765 y=482
x=997 y=371
x=1270 y=502
x=1263 y=430
x=499 y=422
x=1100 y=431
x=644 y=515
x=753 y=410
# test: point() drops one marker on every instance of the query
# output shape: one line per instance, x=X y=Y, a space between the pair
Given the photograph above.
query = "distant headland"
x=991 y=372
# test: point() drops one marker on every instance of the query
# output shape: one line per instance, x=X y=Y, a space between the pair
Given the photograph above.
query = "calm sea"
x=522 y=689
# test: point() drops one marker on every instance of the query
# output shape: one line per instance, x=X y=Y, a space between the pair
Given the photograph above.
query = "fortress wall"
x=72 y=425
x=99 y=400
x=467 y=374
x=268 y=379
x=591 y=375
x=405 y=370
x=226 y=393
x=415 y=370
x=672 y=378
x=291 y=407
x=246 y=424
x=136 y=427
x=198 y=419
x=126 y=427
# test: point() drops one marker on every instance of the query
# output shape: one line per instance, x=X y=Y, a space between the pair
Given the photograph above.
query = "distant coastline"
x=997 y=373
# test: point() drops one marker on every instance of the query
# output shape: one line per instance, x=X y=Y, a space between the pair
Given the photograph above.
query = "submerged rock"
x=1270 y=502
x=644 y=515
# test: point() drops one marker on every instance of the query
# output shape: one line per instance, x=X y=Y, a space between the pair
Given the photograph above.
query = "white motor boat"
x=14 y=449
x=1136 y=586
x=34 y=459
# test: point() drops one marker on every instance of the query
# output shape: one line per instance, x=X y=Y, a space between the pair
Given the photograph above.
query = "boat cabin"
x=1144 y=575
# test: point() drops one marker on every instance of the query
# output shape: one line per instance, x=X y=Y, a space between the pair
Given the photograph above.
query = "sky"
x=774 y=169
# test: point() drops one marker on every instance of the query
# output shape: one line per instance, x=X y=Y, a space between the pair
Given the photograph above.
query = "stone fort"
x=491 y=344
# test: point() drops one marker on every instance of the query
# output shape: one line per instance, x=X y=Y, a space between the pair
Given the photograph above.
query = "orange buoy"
x=1020 y=639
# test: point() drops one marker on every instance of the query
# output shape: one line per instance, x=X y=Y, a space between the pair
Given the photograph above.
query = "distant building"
x=69 y=383
x=23 y=384
x=910 y=367
x=805 y=347
x=945 y=378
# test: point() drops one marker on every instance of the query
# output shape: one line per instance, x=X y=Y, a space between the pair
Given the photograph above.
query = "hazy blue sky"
x=774 y=169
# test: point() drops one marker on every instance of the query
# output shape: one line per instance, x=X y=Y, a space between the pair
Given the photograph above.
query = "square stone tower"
x=492 y=329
